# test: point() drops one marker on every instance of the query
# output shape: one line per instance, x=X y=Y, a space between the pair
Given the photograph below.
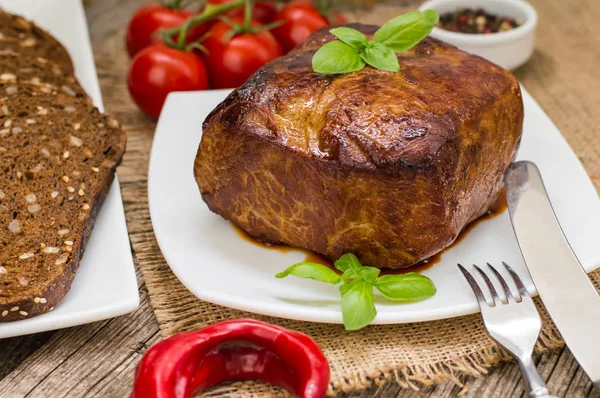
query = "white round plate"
x=217 y=265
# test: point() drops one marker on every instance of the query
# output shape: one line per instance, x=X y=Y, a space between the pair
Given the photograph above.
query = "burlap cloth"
x=563 y=77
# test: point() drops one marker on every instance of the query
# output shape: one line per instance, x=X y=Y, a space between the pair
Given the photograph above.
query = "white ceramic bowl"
x=509 y=49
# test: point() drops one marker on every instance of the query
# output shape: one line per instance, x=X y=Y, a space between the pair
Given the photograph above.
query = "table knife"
x=569 y=296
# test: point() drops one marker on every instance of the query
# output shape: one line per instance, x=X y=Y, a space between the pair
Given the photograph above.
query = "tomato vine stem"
x=210 y=12
x=248 y=9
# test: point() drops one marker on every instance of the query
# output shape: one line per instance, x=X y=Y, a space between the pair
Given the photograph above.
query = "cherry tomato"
x=144 y=26
x=158 y=70
x=337 y=18
x=231 y=62
x=301 y=20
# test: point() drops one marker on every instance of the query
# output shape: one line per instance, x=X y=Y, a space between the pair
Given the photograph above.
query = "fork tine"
x=507 y=291
x=489 y=284
x=476 y=290
x=518 y=281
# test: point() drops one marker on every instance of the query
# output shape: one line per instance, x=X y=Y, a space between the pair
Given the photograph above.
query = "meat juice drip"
x=282 y=248
x=418 y=267
x=495 y=210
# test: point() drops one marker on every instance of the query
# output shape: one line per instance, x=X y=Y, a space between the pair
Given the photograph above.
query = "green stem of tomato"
x=323 y=6
x=210 y=12
x=248 y=8
x=175 y=4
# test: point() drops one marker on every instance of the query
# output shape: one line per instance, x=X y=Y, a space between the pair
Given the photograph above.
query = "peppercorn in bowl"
x=502 y=31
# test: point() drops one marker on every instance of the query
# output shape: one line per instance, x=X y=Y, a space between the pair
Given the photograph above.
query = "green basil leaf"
x=358 y=304
x=404 y=31
x=432 y=16
x=381 y=57
x=348 y=261
x=349 y=275
x=336 y=57
x=314 y=271
x=369 y=274
x=405 y=287
x=351 y=37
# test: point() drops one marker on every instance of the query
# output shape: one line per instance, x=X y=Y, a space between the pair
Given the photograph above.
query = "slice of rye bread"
x=58 y=156
x=27 y=72
x=17 y=34
x=22 y=65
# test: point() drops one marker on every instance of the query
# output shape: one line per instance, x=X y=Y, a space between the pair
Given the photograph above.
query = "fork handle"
x=534 y=383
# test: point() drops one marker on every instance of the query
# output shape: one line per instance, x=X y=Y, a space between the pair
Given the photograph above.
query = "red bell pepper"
x=233 y=350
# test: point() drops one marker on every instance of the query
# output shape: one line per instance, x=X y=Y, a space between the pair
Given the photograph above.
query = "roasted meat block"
x=388 y=166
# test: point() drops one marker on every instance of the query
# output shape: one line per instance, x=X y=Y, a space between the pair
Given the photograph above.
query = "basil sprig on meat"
x=353 y=50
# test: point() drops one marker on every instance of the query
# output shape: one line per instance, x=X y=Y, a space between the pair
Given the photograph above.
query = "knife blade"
x=569 y=296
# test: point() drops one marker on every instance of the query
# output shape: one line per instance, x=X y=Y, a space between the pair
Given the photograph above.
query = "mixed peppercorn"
x=467 y=20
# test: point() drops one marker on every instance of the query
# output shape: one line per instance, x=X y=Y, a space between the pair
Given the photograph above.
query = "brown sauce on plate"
x=496 y=209
x=311 y=256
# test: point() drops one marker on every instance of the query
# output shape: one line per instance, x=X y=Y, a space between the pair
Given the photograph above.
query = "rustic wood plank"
x=562 y=381
x=16 y=349
x=79 y=360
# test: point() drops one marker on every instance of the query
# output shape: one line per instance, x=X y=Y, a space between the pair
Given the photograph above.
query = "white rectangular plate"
x=105 y=285
x=215 y=264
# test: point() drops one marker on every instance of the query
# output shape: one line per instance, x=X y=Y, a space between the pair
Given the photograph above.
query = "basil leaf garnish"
x=337 y=57
x=358 y=281
x=380 y=57
x=353 y=50
x=369 y=274
x=349 y=275
x=314 y=271
x=351 y=37
x=405 y=287
x=348 y=261
x=358 y=304
x=405 y=31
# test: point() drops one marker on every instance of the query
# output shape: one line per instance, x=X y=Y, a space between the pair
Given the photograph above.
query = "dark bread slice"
x=32 y=60
x=25 y=70
x=58 y=156
x=18 y=34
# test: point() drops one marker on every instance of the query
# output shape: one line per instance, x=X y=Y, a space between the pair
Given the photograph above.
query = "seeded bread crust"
x=58 y=156
x=26 y=71
x=18 y=34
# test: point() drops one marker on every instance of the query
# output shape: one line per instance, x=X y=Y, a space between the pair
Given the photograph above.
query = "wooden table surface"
x=98 y=360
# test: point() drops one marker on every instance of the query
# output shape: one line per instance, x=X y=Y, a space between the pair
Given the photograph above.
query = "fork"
x=514 y=323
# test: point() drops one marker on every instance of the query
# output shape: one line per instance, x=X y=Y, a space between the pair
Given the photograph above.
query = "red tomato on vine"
x=158 y=70
x=143 y=28
x=300 y=19
x=233 y=57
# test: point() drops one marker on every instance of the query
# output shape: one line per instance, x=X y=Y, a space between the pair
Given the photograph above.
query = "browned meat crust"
x=388 y=166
